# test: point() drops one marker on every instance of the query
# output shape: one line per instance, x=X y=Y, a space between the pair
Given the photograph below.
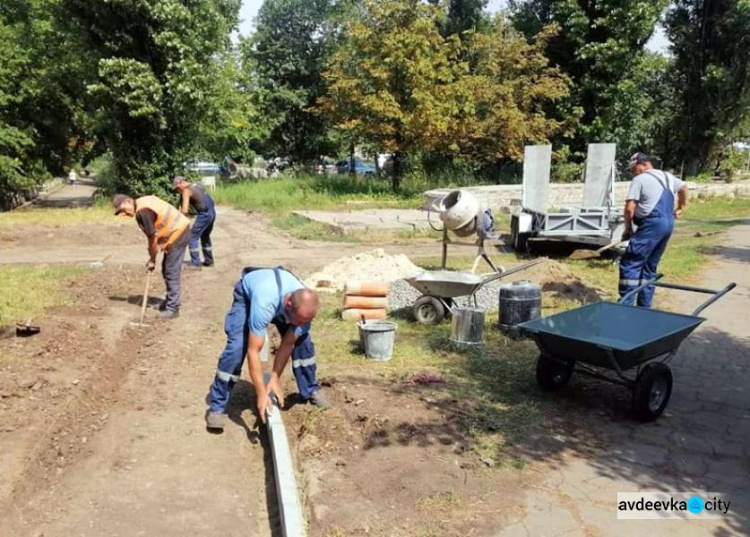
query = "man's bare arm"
x=254 y=346
x=185 y=201
x=629 y=214
x=153 y=247
x=682 y=200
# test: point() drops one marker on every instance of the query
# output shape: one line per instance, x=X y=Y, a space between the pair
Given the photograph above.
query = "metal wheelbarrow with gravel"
x=440 y=288
x=606 y=337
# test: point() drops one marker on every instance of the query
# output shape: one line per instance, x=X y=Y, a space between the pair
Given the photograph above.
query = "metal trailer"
x=606 y=339
x=439 y=288
x=597 y=222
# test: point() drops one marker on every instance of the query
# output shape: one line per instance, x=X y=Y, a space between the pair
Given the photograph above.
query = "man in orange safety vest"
x=167 y=230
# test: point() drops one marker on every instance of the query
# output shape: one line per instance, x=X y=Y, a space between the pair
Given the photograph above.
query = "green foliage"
x=600 y=47
x=287 y=53
x=157 y=80
x=41 y=123
x=710 y=43
x=398 y=84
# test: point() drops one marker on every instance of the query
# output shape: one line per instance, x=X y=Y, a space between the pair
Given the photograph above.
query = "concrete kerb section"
x=287 y=494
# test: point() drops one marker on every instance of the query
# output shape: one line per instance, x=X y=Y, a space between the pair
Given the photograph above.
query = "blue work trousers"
x=640 y=261
x=201 y=231
x=233 y=356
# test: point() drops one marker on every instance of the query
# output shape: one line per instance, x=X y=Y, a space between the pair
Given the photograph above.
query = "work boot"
x=168 y=314
x=208 y=263
x=215 y=421
x=320 y=400
x=163 y=305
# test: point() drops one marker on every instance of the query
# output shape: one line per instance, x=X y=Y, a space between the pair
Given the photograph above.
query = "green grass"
x=25 y=292
x=686 y=254
x=98 y=214
x=277 y=198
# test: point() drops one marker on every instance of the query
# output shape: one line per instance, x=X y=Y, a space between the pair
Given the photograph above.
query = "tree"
x=287 y=53
x=599 y=46
x=42 y=127
x=399 y=85
x=710 y=42
x=156 y=67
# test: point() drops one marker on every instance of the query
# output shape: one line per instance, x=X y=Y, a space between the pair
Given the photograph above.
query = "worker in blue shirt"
x=651 y=207
x=262 y=297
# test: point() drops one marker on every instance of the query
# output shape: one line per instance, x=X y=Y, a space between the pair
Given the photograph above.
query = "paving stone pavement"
x=700 y=444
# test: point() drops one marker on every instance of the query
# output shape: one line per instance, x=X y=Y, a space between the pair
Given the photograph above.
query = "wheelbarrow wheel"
x=428 y=310
x=653 y=388
x=552 y=374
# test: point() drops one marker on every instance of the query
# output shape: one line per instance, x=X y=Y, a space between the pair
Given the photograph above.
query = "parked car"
x=204 y=168
x=360 y=167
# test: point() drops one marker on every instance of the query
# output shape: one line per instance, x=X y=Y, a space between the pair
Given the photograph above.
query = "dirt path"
x=700 y=444
x=109 y=439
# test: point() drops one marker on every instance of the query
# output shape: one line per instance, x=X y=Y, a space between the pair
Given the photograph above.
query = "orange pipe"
x=366 y=288
x=365 y=302
x=356 y=314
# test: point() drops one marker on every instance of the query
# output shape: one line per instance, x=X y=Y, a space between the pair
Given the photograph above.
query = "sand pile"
x=368 y=266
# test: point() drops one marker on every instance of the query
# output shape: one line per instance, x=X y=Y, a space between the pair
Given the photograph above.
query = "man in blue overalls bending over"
x=194 y=195
x=650 y=206
x=265 y=296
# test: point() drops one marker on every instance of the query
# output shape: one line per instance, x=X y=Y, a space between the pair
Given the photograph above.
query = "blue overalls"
x=201 y=231
x=231 y=360
x=646 y=246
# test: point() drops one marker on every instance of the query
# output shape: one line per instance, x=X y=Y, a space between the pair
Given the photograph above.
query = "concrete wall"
x=505 y=197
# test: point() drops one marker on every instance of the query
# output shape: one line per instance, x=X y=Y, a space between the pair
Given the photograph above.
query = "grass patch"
x=98 y=214
x=27 y=291
x=277 y=196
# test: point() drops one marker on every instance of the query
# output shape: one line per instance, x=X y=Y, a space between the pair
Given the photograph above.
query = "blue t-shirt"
x=266 y=301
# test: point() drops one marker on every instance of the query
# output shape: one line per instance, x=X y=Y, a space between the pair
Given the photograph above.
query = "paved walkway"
x=700 y=444
x=79 y=195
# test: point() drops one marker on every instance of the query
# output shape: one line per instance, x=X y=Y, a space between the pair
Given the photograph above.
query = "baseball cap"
x=177 y=180
x=118 y=200
x=638 y=158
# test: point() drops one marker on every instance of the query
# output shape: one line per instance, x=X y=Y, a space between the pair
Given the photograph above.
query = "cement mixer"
x=462 y=214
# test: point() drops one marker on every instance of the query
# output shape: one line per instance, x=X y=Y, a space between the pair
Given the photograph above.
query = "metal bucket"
x=467 y=327
x=377 y=338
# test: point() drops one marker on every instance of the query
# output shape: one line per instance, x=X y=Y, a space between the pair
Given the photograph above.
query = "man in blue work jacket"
x=650 y=206
x=262 y=297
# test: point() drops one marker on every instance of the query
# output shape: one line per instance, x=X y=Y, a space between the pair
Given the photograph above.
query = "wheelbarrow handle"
x=498 y=275
x=717 y=296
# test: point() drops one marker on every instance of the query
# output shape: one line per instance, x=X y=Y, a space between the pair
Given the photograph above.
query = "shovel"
x=594 y=254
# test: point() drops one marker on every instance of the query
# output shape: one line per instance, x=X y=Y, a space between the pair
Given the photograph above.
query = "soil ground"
x=102 y=431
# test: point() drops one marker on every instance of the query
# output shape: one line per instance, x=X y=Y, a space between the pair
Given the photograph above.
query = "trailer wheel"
x=552 y=374
x=653 y=388
x=428 y=310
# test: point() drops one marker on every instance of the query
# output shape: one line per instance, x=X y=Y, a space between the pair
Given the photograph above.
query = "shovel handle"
x=145 y=295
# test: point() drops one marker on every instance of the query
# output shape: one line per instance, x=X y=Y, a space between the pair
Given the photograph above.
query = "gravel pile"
x=373 y=266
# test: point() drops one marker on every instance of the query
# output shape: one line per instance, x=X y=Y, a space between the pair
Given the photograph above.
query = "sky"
x=658 y=42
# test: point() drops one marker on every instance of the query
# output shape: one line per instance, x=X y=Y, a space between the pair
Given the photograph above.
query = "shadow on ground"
x=701 y=443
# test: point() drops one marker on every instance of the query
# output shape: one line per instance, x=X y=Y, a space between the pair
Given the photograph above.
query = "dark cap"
x=638 y=158
x=177 y=180
x=118 y=200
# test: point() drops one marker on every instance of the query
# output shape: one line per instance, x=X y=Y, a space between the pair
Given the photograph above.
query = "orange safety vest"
x=169 y=223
